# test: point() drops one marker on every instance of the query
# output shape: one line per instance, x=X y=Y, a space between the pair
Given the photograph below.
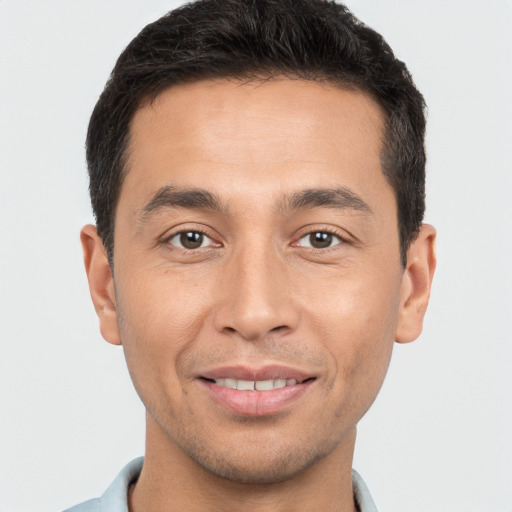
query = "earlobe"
x=416 y=285
x=101 y=283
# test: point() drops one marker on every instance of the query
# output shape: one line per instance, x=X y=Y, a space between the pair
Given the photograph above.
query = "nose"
x=256 y=299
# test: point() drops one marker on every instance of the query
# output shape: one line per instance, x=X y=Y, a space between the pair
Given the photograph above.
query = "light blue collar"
x=115 y=498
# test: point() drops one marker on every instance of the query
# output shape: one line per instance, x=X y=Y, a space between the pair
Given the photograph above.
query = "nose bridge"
x=257 y=299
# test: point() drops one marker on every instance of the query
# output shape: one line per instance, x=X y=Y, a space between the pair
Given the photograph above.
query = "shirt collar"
x=115 y=497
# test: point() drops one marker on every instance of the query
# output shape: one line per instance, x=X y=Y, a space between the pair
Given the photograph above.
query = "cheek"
x=158 y=323
x=160 y=308
x=357 y=325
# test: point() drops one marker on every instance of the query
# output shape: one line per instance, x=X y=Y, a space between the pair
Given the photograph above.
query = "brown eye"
x=319 y=240
x=189 y=240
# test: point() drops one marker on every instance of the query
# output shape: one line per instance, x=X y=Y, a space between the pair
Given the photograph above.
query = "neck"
x=172 y=481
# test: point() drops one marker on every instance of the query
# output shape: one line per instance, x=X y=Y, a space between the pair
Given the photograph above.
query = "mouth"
x=263 y=392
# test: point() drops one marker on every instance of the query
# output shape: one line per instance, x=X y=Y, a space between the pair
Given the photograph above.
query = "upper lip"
x=268 y=372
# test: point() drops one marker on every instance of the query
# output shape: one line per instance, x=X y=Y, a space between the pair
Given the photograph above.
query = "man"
x=257 y=176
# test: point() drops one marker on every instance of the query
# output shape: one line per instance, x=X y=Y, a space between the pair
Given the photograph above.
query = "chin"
x=260 y=466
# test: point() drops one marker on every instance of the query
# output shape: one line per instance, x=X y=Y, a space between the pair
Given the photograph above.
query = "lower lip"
x=256 y=403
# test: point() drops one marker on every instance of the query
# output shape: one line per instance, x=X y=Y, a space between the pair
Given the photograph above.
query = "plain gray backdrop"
x=438 y=437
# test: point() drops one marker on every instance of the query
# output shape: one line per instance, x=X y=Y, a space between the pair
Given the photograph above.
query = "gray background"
x=439 y=436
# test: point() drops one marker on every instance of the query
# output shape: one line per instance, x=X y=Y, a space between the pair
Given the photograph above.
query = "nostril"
x=278 y=328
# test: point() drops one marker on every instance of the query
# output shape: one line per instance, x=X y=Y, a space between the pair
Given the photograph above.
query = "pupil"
x=320 y=240
x=191 y=239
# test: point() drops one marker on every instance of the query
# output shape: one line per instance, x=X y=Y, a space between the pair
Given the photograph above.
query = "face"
x=257 y=284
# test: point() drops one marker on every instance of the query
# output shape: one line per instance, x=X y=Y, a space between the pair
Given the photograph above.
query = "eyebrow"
x=170 y=197
x=341 y=197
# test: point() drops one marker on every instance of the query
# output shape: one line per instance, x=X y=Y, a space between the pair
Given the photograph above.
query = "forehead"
x=274 y=135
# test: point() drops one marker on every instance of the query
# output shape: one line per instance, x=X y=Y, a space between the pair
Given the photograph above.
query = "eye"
x=190 y=240
x=319 y=240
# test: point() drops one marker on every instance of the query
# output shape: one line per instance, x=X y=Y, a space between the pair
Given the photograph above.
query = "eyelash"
x=331 y=232
x=168 y=240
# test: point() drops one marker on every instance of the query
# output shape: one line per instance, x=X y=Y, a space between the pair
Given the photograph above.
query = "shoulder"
x=93 y=505
x=362 y=495
x=115 y=498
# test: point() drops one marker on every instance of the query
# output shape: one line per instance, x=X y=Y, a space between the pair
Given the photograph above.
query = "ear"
x=101 y=283
x=416 y=284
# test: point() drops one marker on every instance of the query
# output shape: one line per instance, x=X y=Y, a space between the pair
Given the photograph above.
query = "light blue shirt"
x=115 y=498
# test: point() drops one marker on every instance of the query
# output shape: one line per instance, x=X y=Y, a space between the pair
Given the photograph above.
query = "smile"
x=262 y=392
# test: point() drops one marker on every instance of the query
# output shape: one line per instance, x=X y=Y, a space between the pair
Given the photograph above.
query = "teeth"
x=279 y=383
x=245 y=385
x=230 y=383
x=264 y=385
x=258 y=385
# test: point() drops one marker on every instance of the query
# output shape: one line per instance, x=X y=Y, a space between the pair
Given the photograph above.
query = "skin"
x=256 y=292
